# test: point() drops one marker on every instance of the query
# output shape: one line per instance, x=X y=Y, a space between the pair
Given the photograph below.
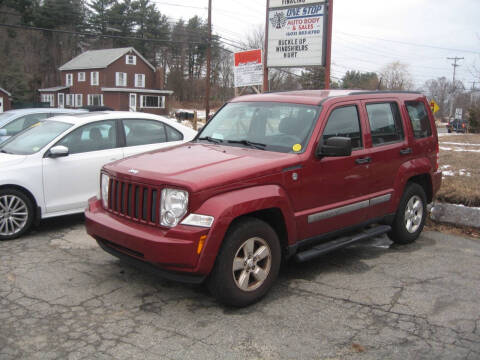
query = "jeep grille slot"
x=134 y=201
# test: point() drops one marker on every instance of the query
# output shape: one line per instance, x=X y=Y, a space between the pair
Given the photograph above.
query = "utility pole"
x=266 y=86
x=209 y=59
x=454 y=87
x=328 y=57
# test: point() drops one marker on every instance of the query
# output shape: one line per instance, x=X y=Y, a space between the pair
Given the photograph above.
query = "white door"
x=71 y=180
x=1 y=104
x=143 y=135
x=61 y=100
x=133 y=102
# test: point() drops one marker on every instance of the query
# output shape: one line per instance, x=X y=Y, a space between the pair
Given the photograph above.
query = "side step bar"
x=341 y=243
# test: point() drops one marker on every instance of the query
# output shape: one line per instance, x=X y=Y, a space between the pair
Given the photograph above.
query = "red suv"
x=272 y=177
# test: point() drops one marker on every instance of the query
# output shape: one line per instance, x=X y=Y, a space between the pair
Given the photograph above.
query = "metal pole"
x=328 y=58
x=265 y=52
x=209 y=59
x=454 y=87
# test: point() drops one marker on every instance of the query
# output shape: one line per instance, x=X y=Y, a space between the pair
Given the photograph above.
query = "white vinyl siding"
x=152 y=102
x=69 y=79
x=94 y=78
x=131 y=60
x=121 y=79
x=95 y=100
x=140 y=80
x=79 y=100
x=81 y=76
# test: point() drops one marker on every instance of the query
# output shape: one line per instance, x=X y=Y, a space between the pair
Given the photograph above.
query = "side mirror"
x=3 y=132
x=335 y=147
x=58 y=151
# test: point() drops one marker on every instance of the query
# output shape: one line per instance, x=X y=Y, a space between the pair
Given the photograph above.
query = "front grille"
x=134 y=201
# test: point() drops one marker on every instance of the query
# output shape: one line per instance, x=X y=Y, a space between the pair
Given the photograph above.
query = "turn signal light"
x=201 y=242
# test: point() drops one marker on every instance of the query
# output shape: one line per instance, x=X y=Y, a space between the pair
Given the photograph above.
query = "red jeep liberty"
x=272 y=177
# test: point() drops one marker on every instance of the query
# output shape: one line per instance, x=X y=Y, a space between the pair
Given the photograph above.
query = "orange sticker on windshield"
x=297 y=147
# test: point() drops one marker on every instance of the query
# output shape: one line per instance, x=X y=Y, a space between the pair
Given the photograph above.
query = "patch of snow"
x=445 y=148
x=457 y=149
x=461 y=144
x=448 y=173
x=445 y=167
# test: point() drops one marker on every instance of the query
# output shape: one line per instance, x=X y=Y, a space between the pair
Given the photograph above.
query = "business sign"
x=286 y=3
x=458 y=113
x=248 y=69
x=296 y=36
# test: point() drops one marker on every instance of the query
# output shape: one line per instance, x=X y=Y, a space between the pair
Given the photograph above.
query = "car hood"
x=199 y=166
x=7 y=160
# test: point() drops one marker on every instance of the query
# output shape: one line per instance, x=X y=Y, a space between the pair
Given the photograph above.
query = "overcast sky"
x=369 y=34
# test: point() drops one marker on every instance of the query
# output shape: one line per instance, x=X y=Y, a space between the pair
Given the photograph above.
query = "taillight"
x=463 y=125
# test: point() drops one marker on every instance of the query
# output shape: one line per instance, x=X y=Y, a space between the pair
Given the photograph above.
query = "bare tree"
x=395 y=76
x=438 y=90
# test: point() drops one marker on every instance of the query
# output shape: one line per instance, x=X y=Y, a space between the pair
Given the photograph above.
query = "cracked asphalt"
x=61 y=297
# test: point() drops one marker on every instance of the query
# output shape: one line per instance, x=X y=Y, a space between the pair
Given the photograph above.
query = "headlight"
x=104 y=187
x=173 y=207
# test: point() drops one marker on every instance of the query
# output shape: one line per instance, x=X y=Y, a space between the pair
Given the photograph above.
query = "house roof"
x=5 y=91
x=53 y=89
x=99 y=59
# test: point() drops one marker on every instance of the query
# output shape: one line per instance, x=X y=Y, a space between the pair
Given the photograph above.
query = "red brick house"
x=121 y=79
x=5 y=100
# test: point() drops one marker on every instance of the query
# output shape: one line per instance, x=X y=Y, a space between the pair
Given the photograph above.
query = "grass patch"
x=460 y=163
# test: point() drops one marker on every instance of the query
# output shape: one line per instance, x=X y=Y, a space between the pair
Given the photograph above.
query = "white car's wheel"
x=16 y=214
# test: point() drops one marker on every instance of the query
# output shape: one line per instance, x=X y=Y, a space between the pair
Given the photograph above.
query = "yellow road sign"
x=434 y=106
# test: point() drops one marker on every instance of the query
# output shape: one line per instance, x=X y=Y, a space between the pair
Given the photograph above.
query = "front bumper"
x=173 y=252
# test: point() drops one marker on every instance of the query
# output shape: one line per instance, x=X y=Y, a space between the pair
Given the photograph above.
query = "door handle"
x=364 y=160
x=406 y=151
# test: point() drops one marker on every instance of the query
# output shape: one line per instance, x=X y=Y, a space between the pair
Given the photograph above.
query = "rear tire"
x=247 y=264
x=411 y=215
x=16 y=214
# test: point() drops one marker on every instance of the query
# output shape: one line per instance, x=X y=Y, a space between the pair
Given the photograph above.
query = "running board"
x=341 y=243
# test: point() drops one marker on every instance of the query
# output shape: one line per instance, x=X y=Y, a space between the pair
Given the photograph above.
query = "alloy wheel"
x=413 y=214
x=13 y=214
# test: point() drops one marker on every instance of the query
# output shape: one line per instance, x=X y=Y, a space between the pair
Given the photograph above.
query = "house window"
x=95 y=99
x=48 y=98
x=131 y=60
x=155 y=102
x=81 y=76
x=70 y=100
x=121 y=79
x=78 y=100
x=140 y=80
x=69 y=80
x=94 y=78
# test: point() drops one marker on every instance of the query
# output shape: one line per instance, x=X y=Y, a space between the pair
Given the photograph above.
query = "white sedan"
x=53 y=168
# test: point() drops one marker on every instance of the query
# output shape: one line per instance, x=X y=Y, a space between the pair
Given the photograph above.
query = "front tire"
x=247 y=264
x=411 y=215
x=16 y=214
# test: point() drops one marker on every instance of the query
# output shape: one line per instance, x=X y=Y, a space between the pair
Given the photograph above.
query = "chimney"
x=159 y=78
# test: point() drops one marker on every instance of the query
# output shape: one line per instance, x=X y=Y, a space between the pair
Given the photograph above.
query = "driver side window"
x=344 y=122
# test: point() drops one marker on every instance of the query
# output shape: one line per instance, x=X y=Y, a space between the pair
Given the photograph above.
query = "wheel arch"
x=425 y=181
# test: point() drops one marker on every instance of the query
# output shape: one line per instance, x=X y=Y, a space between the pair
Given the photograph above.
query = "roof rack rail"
x=384 y=92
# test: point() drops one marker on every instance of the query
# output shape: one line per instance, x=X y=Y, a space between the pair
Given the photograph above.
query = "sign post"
x=298 y=34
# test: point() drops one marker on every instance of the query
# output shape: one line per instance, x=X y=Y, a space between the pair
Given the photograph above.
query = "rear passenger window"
x=144 y=132
x=419 y=118
x=344 y=122
x=385 y=123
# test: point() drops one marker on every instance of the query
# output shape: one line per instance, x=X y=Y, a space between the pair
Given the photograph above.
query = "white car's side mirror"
x=58 y=151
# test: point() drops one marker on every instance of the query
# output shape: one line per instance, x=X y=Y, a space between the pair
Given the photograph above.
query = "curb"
x=455 y=214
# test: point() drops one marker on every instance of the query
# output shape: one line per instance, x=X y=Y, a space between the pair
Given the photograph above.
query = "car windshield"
x=34 y=138
x=268 y=126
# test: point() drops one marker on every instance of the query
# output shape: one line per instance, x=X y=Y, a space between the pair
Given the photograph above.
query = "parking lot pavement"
x=61 y=297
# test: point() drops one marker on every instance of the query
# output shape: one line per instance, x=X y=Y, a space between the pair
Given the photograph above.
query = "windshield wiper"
x=210 y=139
x=248 y=143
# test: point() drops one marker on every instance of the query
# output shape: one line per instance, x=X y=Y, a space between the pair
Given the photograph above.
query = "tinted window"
x=96 y=136
x=385 y=123
x=419 y=119
x=173 y=134
x=344 y=122
x=143 y=132
x=24 y=122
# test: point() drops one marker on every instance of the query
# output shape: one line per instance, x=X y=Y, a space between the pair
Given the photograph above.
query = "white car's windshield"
x=34 y=138
x=5 y=117
x=280 y=127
